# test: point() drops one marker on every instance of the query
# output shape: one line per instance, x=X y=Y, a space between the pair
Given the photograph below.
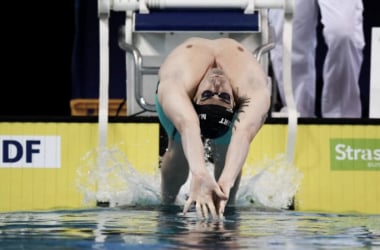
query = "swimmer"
x=209 y=89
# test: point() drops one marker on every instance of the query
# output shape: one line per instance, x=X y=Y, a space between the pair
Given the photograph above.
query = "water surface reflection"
x=164 y=227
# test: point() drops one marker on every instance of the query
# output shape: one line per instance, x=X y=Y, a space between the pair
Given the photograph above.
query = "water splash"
x=274 y=184
x=271 y=183
x=121 y=183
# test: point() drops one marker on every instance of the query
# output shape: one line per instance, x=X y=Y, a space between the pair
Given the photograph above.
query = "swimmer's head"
x=214 y=103
x=215 y=120
x=215 y=88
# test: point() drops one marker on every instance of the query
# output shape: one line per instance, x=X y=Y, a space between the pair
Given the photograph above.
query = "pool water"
x=165 y=227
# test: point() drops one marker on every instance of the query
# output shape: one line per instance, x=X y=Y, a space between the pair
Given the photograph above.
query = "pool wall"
x=339 y=160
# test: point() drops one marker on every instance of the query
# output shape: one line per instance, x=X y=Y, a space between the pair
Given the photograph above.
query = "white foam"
x=271 y=183
x=274 y=184
x=121 y=183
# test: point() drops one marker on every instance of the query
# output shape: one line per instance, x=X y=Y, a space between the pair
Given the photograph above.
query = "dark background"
x=41 y=61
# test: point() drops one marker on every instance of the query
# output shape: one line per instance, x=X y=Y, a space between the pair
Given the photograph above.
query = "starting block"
x=153 y=28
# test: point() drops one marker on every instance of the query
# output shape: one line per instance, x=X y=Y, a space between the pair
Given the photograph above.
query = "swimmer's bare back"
x=190 y=60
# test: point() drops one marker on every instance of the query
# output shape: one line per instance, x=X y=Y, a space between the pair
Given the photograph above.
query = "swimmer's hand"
x=222 y=203
x=204 y=191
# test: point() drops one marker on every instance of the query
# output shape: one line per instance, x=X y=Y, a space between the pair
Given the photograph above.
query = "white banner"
x=30 y=151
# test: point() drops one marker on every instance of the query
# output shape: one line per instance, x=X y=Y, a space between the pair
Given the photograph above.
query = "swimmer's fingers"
x=212 y=209
x=198 y=208
x=204 y=211
x=187 y=205
x=201 y=209
x=222 y=206
x=222 y=203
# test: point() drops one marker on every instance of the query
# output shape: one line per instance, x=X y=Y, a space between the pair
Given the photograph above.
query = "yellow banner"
x=29 y=181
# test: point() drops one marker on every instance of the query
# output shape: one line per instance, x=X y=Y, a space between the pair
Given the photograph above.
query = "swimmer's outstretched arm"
x=237 y=152
x=250 y=84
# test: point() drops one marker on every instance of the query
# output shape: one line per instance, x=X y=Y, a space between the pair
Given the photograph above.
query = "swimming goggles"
x=225 y=97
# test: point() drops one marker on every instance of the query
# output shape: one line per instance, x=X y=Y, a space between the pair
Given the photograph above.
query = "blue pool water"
x=164 y=227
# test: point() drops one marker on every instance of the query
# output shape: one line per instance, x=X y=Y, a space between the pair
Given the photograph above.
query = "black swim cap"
x=215 y=120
